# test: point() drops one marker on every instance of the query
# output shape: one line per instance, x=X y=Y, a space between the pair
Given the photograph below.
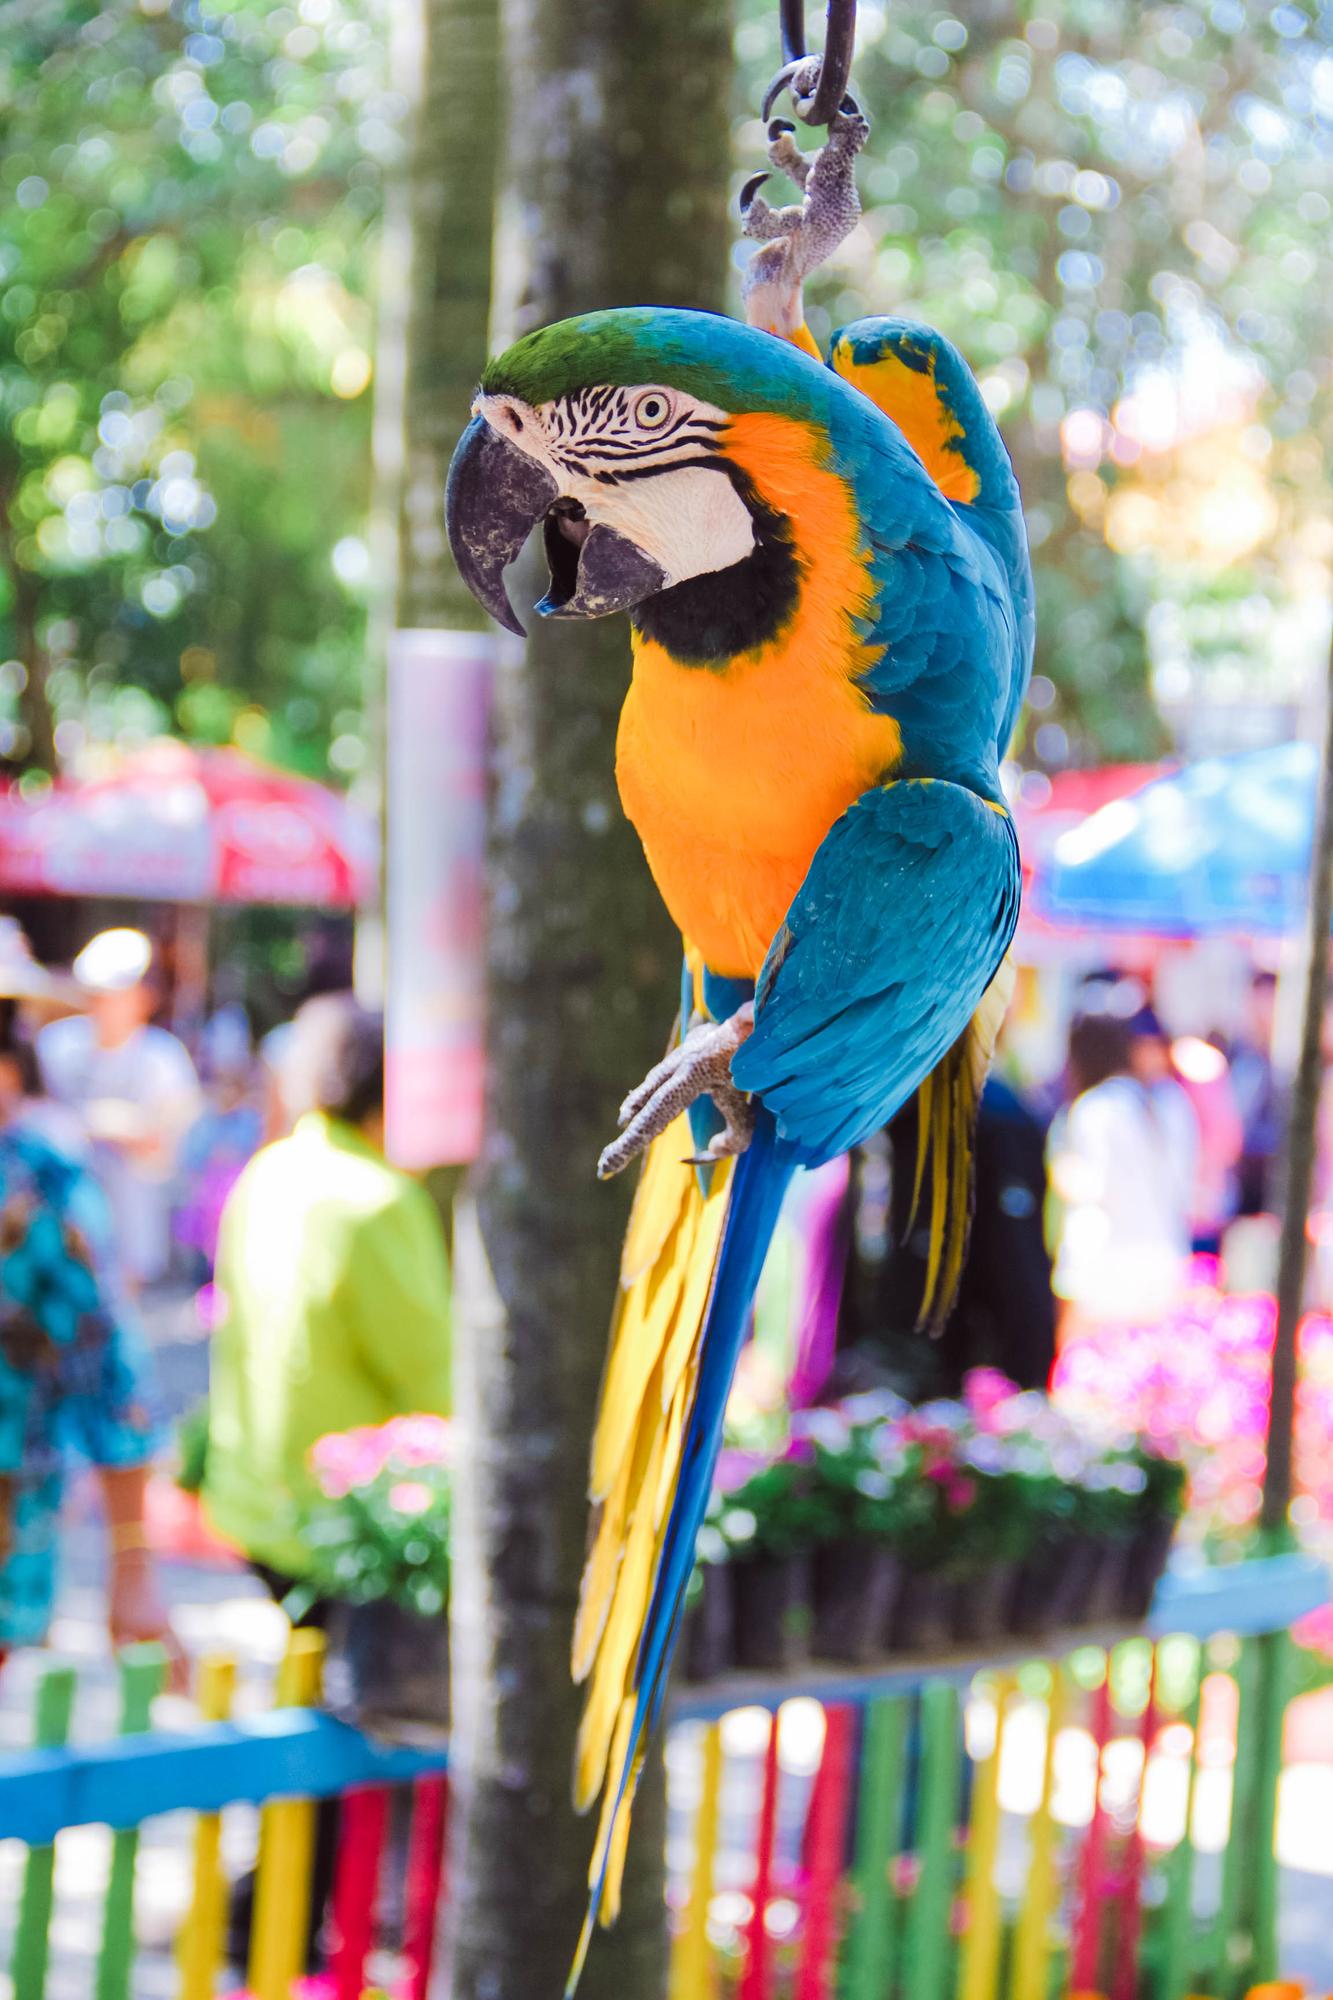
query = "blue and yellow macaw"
x=826 y=572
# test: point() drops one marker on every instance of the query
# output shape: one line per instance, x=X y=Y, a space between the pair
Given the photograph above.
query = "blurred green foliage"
x=188 y=199
x=1087 y=197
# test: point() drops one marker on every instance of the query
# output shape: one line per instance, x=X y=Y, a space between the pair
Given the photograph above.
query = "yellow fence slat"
x=286 y=1847
x=691 y=1958
x=1032 y=1943
x=199 y=1951
x=979 y=1963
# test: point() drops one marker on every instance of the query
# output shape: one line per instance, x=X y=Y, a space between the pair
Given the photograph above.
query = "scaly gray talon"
x=699 y=1066
x=786 y=155
x=766 y=224
x=798 y=239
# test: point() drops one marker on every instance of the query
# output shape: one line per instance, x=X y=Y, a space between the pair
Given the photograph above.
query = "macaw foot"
x=699 y=1066
x=797 y=240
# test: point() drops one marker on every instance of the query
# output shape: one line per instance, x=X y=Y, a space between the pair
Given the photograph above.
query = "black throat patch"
x=707 y=620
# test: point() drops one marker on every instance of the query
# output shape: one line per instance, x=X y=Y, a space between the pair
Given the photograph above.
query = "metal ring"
x=835 y=67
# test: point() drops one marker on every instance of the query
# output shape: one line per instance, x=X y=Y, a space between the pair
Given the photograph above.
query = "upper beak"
x=495 y=497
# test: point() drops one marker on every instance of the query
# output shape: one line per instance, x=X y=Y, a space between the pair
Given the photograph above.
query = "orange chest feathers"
x=733 y=774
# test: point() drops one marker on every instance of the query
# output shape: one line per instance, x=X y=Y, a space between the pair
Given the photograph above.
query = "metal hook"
x=835 y=66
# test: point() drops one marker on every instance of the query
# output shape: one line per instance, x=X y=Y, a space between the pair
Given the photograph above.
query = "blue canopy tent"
x=1221 y=847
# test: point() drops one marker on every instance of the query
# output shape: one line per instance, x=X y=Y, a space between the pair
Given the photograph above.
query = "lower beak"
x=495 y=497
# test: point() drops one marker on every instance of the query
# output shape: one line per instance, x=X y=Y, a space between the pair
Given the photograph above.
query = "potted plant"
x=1159 y=1506
x=708 y=1641
x=378 y=1540
x=985 y=1505
x=770 y=1526
x=877 y=1507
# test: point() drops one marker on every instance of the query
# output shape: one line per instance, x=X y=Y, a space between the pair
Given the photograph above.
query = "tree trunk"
x=37 y=748
x=1301 y=1150
x=434 y=302
x=452 y=210
x=618 y=161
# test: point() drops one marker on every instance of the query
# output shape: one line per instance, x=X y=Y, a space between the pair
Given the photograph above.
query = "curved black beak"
x=495 y=497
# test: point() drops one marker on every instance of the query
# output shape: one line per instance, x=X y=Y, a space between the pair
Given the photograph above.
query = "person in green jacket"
x=333 y=1285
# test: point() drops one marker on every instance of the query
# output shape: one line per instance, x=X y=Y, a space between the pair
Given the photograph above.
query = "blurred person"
x=1122 y=1160
x=1204 y=1074
x=1004 y=1315
x=226 y=1134
x=333 y=1286
x=73 y=1378
x=333 y=1301
x=135 y=1088
x=30 y=995
x=1005 y=1312
x=1258 y=1097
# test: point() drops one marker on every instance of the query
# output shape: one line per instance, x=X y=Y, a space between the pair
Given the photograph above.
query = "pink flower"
x=734 y=1467
x=410 y=1496
x=798 y=1451
x=420 y=1439
x=344 y=1459
x=984 y=1390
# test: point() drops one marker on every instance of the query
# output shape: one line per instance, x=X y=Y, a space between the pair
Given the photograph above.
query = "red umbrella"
x=171 y=823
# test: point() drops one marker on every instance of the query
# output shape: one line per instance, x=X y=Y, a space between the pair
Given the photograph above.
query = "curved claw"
x=779 y=84
x=749 y=191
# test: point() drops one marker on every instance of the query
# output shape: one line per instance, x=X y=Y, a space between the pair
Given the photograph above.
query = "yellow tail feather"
x=671 y=1251
x=947 y=1104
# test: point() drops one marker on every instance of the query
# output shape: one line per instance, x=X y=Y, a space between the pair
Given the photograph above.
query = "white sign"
x=438 y=711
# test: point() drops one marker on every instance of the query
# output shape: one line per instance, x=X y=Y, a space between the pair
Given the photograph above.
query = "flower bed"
x=1197 y=1384
x=883 y=1530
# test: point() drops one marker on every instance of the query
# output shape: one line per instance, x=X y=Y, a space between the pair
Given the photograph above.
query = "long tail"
x=688 y=1280
x=947 y=1103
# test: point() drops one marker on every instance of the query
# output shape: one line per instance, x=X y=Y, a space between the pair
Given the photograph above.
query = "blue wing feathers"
x=954 y=583
x=902 y=921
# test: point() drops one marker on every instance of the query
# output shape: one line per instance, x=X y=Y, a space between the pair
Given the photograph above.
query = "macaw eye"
x=651 y=411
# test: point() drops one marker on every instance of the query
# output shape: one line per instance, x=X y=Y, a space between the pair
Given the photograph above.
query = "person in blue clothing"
x=73 y=1379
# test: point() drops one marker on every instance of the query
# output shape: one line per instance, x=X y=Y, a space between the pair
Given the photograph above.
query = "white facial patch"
x=690 y=520
x=643 y=462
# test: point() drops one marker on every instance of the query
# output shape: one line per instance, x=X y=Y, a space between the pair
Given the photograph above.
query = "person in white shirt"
x=134 y=1087
x=1122 y=1161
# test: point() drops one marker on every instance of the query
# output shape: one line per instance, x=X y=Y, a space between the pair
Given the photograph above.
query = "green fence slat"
x=1178 y=1907
x=1260 y=1902
x=53 y=1712
x=867 y=1963
x=929 y=1946
x=1224 y=1970
x=141 y=1669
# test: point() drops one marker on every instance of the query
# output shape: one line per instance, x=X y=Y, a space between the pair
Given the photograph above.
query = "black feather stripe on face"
x=599 y=425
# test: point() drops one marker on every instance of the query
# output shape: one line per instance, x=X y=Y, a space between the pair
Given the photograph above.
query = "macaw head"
x=615 y=432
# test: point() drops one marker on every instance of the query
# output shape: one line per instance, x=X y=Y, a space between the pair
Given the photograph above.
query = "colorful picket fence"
x=897 y=1883
x=282 y=1762
x=997 y=1830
